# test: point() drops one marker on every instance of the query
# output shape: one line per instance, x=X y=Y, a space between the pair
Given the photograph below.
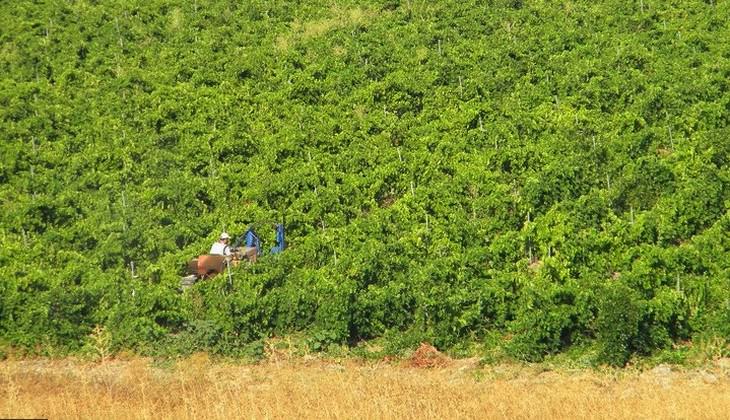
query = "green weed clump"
x=620 y=310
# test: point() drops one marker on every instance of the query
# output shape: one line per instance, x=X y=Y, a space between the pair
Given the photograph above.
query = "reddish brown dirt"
x=427 y=356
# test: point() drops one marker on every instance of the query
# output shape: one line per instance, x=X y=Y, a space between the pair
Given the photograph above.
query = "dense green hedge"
x=554 y=174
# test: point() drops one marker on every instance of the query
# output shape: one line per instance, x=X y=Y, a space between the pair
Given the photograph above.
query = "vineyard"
x=507 y=179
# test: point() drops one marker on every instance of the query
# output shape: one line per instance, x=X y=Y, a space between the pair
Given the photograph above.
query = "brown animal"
x=206 y=266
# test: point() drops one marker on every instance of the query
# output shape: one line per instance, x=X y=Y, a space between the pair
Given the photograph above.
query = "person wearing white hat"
x=220 y=247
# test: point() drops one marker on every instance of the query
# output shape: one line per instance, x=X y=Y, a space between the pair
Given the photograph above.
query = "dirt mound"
x=427 y=356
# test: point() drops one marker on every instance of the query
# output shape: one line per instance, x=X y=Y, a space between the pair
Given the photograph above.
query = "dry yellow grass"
x=198 y=388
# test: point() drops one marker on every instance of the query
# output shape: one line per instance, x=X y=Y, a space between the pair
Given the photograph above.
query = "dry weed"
x=198 y=387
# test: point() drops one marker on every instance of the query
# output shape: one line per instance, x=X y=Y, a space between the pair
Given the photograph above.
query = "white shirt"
x=220 y=248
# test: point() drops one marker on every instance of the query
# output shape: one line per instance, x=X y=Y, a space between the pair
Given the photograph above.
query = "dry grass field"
x=198 y=388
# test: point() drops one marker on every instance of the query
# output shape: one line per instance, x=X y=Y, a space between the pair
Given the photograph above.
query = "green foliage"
x=552 y=314
x=447 y=171
x=619 y=313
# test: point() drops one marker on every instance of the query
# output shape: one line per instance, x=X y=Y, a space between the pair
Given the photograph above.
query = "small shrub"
x=619 y=314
